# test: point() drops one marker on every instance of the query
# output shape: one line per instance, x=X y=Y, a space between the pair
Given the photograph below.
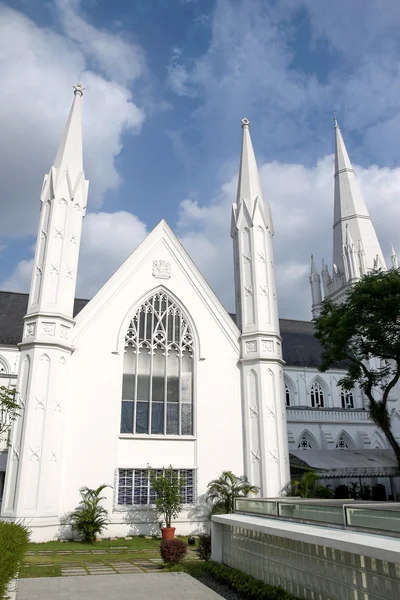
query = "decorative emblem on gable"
x=161 y=269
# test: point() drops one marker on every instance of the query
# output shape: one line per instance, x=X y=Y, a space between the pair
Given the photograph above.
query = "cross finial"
x=245 y=122
x=78 y=89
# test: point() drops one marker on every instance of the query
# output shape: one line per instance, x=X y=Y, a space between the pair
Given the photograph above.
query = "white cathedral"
x=154 y=371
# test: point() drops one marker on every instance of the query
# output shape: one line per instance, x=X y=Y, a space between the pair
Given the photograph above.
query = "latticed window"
x=304 y=444
x=157 y=391
x=134 y=487
x=341 y=444
x=317 y=395
x=287 y=394
x=347 y=399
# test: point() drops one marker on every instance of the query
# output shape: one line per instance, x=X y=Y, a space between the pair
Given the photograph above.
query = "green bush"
x=90 y=518
x=203 y=550
x=14 y=539
x=248 y=587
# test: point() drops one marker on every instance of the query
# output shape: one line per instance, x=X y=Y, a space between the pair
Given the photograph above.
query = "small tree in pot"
x=168 y=487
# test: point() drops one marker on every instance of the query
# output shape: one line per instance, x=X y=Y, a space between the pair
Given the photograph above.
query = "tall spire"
x=350 y=209
x=69 y=153
x=249 y=184
x=265 y=437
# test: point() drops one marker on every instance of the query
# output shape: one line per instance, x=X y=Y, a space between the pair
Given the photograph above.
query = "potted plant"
x=168 y=486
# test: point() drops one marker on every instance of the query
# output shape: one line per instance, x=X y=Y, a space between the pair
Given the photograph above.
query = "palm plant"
x=222 y=492
x=306 y=487
x=90 y=518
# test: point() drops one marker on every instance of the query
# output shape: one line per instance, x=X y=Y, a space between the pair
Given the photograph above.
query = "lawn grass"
x=39 y=571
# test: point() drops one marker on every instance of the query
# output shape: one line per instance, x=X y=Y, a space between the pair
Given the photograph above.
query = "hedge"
x=14 y=539
x=246 y=586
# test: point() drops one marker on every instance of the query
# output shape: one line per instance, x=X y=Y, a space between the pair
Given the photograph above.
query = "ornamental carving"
x=251 y=346
x=48 y=328
x=30 y=329
x=256 y=456
x=35 y=453
x=64 y=330
x=161 y=269
x=267 y=346
x=253 y=412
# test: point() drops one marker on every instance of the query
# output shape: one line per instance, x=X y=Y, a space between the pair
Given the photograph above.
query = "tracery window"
x=157 y=390
x=317 y=395
x=347 y=399
x=3 y=370
x=341 y=444
x=304 y=444
x=287 y=394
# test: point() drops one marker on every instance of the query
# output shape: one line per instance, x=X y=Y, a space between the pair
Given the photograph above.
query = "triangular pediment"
x=159 y=261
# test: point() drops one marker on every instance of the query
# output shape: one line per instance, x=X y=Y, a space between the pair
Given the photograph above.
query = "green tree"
x=9 y=410
x=306 y=487
x=168 y=486
x=363 y=333
x=222 y=492
x=90 y=518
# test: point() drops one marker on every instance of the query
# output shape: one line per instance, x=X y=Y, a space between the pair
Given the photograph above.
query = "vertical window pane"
x=186 y=424
x=173 y=418
x=186 y=378
x=128 y=387
x=126 y=417
x=172 y=376
x=158 y=381
x=157 y=417
x=142 y=417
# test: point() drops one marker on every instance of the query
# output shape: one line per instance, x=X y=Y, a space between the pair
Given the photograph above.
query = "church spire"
x=249 y=189
x=350 y=210
x=315 y=283
x=265 y=440
x=63 y=197
x=69 y=155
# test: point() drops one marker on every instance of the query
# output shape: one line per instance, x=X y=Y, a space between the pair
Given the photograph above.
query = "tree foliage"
x=222 y=492
x=9 y=410
x=168 y=486
x=90 y=518
x=363 y=333
x=307 y=487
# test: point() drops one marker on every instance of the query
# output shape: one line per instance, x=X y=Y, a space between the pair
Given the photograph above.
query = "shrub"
x=173 y=551
x=90 y=518
x=14 y=539
x=248 y=587
x=203 y=550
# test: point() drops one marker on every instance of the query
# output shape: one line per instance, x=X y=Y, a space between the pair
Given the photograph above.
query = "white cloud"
x=37 y=69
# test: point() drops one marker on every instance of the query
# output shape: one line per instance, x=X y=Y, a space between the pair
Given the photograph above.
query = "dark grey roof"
x=13 y=307
x=300 y=348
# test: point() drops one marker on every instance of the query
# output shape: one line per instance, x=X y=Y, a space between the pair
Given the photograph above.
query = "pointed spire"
x=395 y=260
x=313 y=270
x=350 y=210
x=249 y=184
x=69 y=155
x=326 y=278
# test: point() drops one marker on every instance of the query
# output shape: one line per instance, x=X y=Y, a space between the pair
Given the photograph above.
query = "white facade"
x=154 y=371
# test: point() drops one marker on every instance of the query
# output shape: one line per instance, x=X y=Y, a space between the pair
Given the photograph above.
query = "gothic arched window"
x=157 y=390
x=3 y=369
x=317 y=395
x=347 y=399
x=304 y=444
x=341 y=444
x=287 y=395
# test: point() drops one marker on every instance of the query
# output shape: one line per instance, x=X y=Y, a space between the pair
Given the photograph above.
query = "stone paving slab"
x=141 y=586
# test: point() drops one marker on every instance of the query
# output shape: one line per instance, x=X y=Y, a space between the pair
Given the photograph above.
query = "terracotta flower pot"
x=168 y=533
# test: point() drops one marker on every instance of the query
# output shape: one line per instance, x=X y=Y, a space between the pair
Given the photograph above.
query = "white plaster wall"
x=94 y=447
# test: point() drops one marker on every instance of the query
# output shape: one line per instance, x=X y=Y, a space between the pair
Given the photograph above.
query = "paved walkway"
x=141 y=586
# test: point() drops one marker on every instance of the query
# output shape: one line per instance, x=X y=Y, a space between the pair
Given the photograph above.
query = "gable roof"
x=300 y=348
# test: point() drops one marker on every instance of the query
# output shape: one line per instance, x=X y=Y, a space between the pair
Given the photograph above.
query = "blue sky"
x=167 y=82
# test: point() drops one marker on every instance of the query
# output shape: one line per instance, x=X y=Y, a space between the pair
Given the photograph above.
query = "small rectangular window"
x=134 y=486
